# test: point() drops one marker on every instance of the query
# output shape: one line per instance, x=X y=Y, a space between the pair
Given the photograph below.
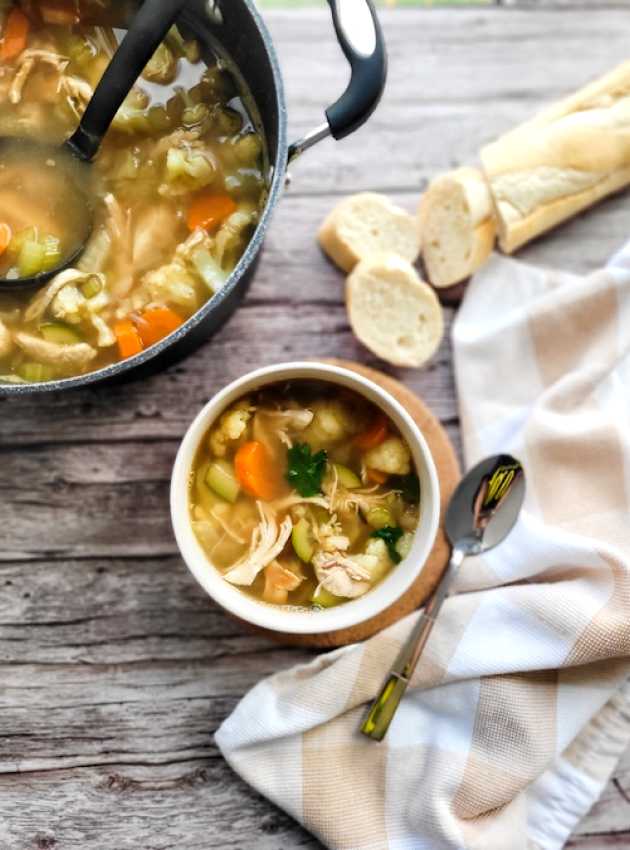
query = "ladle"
x=71 y=160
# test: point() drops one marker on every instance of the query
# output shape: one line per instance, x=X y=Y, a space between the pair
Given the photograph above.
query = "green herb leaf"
x=390 y=535
x=306 y=470
x=409 y=487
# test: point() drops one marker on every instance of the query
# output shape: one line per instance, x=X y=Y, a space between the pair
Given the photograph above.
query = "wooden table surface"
x=115 y=669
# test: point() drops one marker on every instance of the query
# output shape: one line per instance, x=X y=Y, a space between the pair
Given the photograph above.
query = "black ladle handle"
x=146 y=32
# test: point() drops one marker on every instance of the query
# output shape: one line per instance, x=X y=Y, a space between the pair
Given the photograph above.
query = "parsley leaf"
x=306 y=469
x=409 y=486
x=390 y=536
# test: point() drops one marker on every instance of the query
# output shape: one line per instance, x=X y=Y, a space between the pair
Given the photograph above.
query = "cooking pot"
x=235 y=29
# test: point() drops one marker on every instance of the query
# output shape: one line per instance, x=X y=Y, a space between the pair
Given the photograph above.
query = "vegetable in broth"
x=177 y=187
x=284 y=501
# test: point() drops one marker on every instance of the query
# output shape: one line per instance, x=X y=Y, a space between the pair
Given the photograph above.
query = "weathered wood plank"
x=457 y=78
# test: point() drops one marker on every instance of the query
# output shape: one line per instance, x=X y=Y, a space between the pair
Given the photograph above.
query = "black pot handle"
x=146 y=32
x=361 y=38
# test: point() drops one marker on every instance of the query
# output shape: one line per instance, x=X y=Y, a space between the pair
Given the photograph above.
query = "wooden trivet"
x=448 y=472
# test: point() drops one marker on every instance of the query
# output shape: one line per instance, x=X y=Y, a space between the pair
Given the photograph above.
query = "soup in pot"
x=177 y=188
x=304 y=494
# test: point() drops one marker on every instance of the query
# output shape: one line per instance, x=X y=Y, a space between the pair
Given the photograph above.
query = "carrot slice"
x=256 y=471
x=375 y=434
x=209 y=211
x=5 y=237
x=156 y=323
x=128 y=338
x=15 y=35
x=59 y=12
x=376 y=476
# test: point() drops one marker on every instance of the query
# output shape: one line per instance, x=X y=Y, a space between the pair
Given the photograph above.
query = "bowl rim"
x=299 y=621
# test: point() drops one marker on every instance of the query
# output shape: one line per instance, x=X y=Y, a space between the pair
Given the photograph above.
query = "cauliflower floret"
x=68 y=305
x=170 y=284
x=392 y=457
x=132 y=116
x=375 y=559
x=161 y=67
x=71 y=306
x=232 y=426
x=332 y=422
x=189 y=167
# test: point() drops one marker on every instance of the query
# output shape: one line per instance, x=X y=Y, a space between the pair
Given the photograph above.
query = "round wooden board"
x=448 y=473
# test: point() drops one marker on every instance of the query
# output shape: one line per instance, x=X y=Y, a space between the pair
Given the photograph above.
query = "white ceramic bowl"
x=277 y=618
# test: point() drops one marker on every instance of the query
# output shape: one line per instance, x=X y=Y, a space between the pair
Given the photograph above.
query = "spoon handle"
x=384 y=707
x=146 y=32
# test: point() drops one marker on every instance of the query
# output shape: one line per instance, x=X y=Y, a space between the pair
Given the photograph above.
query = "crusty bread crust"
x=365 y=224
x=562 y=161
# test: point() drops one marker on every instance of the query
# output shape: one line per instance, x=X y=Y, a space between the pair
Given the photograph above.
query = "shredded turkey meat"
x=76 y=356
x=340 y=575
x=26 y=63
x=268 y=541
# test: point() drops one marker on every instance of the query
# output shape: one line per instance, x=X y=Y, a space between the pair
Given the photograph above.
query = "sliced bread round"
x=366 y=224
x=394 y=313
x=458 y=226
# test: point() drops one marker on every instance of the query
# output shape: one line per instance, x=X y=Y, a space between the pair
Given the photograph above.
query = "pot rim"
x=277 y=170
x=272 y=617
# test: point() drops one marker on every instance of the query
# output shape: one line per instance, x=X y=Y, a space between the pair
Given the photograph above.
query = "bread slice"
x=394 y=313
x=366 y=224
x=457 y=225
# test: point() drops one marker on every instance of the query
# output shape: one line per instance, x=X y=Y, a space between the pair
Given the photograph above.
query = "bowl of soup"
x=304 y=498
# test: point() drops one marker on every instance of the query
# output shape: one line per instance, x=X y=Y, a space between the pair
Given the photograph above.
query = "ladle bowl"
x=146 y=32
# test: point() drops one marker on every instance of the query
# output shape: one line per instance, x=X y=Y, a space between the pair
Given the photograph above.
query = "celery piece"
x=380 y=517
x=32 y=258
x=302 y=540
x=35 y=373
x=91 y=287
x=52 y=252
x=346 y=477
x=221 y=479
x=208 y=269
x=60 y=333
x=19 y=238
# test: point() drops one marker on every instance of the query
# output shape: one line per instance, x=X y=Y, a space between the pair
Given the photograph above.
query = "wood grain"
x=114 y=668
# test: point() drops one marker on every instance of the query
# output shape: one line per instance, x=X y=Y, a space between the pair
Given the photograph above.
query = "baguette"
x=366 y=224
x=564 y=160
x=394 y=313
x=457 y=224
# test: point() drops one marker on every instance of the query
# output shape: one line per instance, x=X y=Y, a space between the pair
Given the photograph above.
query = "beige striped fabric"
x=520 y=709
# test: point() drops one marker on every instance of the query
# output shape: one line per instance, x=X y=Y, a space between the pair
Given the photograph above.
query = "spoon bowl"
x=486 y=505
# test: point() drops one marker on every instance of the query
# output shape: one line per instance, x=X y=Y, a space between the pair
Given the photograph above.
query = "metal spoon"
x=481 y=514
x=70 y=161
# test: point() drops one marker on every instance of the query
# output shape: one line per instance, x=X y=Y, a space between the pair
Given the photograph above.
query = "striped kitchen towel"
x=519 y=709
